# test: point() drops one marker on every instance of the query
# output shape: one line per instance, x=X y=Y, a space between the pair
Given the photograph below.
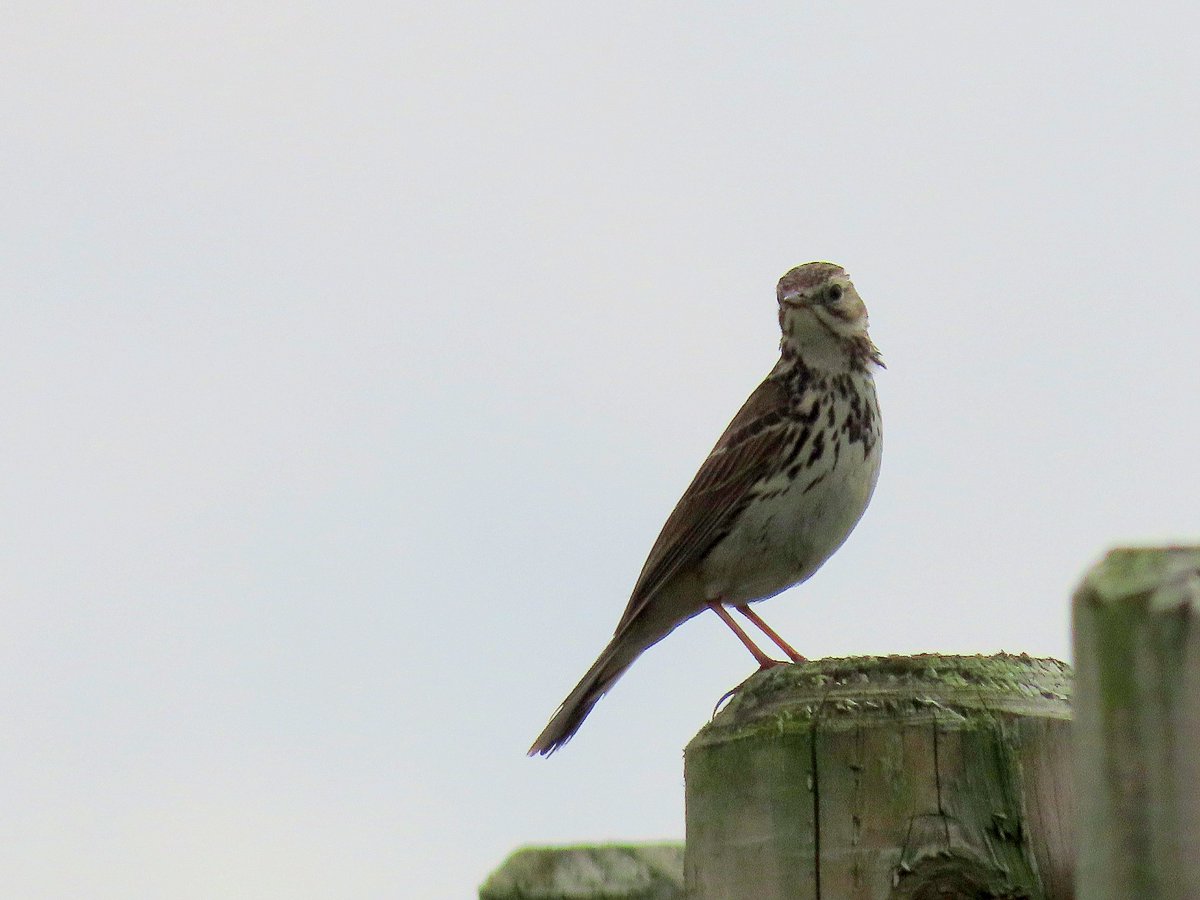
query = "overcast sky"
x=353 y=356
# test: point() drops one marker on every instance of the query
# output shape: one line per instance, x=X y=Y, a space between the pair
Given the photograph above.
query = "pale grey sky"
x=353 y=356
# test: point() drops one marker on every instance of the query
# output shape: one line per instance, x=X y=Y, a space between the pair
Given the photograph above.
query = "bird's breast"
x=808 y=504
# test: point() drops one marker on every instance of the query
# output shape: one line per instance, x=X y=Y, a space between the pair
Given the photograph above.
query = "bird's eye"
x=834 y=293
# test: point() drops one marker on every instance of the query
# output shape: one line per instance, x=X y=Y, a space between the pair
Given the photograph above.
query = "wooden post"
x=594 y=872
x=1137 y=648
x=885 y=777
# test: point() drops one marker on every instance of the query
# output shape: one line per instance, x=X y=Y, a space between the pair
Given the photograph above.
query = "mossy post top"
x=590 y=872
x=845 y=692
x=1165 y=578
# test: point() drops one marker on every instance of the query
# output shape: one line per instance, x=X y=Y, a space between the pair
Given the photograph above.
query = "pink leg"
x=764 y=661
x=766 y=629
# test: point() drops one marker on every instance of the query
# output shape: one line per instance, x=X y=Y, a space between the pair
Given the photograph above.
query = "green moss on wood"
x=965 y=690
x=1137 y=643
x=1164 y=578
x=864 y=771
x=589 y=872
x=1137 y=595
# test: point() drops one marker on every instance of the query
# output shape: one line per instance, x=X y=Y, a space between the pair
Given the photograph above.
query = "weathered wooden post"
x=597 y=872
x=1137 y=653
x=886 y=777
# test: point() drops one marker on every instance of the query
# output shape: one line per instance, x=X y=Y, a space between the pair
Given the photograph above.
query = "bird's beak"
x=793 y=299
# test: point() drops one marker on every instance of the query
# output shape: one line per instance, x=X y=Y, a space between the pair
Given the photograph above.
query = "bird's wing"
x=744 y=455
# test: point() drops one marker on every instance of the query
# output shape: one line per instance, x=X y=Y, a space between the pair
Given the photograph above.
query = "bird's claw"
x=764 y=665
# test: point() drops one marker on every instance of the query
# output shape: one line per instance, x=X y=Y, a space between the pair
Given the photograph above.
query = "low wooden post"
x=1137 y=649
x=592 y=872
x=885 y=777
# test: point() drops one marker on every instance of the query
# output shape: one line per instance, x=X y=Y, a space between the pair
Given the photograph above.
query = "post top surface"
x=846 y=692
x=1166 y=578
x=616 y=871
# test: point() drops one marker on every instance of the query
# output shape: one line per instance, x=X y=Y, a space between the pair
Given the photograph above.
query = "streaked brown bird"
x=779 y=493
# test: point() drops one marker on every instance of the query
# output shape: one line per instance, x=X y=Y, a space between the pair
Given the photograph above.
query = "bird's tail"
x=626 y=646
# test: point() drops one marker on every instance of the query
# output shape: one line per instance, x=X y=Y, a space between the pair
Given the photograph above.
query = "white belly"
x=783 y=538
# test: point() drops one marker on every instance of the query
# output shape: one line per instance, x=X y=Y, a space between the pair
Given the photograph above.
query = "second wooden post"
x=1137 y=647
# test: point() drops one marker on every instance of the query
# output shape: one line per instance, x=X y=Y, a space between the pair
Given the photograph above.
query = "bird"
x=780 y=492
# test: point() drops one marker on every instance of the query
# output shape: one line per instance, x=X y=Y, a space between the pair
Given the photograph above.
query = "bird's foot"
x=724 y=698
x=764 y=664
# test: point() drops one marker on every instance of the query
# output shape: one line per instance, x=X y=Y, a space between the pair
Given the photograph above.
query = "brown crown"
x=807 y=277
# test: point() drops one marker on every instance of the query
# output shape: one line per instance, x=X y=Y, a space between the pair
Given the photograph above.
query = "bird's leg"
x=764 y=661
x=766 y=629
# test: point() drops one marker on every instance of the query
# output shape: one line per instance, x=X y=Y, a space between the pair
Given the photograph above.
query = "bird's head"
x=823 y=319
